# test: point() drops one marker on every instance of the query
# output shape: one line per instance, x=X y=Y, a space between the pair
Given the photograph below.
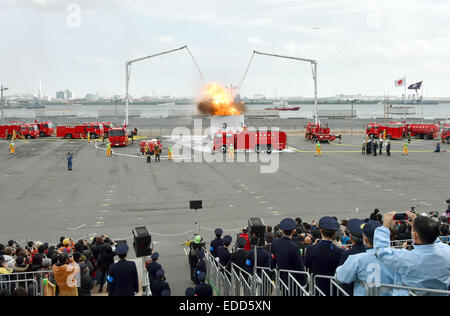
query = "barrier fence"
x=31 y=281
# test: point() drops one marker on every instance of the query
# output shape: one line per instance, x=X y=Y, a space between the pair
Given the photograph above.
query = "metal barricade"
x=218 y=277
x=264 y=285
x=412 y=291
x=14 y=284
x=335 y=287
x=21 y=279
x=241 y=281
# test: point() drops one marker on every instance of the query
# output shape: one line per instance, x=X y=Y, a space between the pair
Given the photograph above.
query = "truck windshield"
x=30 y=128
x=218 y=136
x=117 y=132
x=229 y=135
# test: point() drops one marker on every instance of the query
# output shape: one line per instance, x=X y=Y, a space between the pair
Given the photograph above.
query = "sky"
x=361 y=46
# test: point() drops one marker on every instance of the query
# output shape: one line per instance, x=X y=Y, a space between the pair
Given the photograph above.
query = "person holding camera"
x=64 y=272
x=427 y=265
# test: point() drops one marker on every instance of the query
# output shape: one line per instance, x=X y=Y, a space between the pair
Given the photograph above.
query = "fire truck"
x=394 y=130
x=25 y=130
x=45 y=128
x=150 y=144
x=445 y=136
x=424 y=131
x=80 y=130
x=106 y=127
x=244 y=140
x=316 y=132
x=118 y=136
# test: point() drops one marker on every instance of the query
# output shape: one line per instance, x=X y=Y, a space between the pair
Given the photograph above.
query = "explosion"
x=215 y=100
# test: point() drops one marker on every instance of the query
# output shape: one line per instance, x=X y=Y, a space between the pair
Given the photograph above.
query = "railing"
x=335 y=288
x=412 y=291
x=24 y=280
x=12 y=285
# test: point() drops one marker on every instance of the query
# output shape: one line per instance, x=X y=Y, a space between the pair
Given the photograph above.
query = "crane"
x=314 y=73
x=128 y=73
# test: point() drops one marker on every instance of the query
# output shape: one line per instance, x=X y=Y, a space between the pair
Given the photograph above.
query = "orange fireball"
x=216 y=100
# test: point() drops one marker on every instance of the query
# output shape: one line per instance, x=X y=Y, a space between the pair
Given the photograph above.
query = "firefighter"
x=409 y=137
x=157 y=153
x=12 y=147
x=388 y=148
x=363 y=147
x=369 y=147
x=231 y=151
x=170 y=151
x=375 y=147
x=89 y=137
x=149 y=155
x=438 y=148
x=108 y=149
x=318 y=149
x=381 y=146
x=69 y=161
x=14 y=135
x=405 y=148
x=384 y=134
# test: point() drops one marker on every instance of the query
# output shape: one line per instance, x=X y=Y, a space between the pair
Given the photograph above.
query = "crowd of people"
x=326 y=247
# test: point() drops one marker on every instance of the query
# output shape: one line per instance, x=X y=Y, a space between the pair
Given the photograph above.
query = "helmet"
x=197 y=239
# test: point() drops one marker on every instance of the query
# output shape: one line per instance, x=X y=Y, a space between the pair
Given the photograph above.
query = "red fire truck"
x=25 y=130
x=424 y=131
x=106 y=127
x=80 y=130
x=118 y=136
x=445 y=136
x=244 y=140
x=316 y=132
x=150 y=144
x=394 y=130
x=45 y=128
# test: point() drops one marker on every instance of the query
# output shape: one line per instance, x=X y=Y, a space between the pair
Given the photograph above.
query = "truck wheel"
x=9 y=136
x=269 y=149
x=389 y=137
x=371 y=135
x=41 y=134
x=94 y=136
x=257 y=149
x=223 y=149
x=68 y=136
x=28 y=136
x=426 y=136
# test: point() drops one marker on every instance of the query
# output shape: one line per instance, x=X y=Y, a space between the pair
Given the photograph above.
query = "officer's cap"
x=218 y=232
x=160 y=273
x=369 y=228
x=355 y=227
x=329 y=223
x=202 y=276
x=121 y=249
x=155 y=256
x=288 y=224
x=227 y=239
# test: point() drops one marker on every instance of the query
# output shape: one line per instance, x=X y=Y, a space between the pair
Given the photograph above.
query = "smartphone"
x=400 y=217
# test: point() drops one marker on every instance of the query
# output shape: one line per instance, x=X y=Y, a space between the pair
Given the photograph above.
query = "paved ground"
x=41 y=200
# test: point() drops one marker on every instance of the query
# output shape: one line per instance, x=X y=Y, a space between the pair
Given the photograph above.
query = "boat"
x=283 y=108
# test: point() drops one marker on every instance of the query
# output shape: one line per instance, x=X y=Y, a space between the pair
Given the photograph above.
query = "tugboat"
x=284 y=107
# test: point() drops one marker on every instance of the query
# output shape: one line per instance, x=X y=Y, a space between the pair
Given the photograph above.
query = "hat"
x=121 y=249
x=47 y=262
x=227 y=239
x=201 y=276
x=66 y=242
x=155 y=256
x=201 y=254
x=241 y=242
x=190 y=291
x=329 y=223
x=288 y=224
x=218 y=231
x=197 y=239
x=369 y=228
x=160 y=273
x=355 y=227
x=38 y=243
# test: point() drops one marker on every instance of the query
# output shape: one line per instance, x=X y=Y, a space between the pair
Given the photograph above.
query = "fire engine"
x=80 y=130
x=150 y=144
x=106 y=127
x=446 y=134
x=394 y=130
x=45 y=128
x=424 y=131
x=244 y=140
x=118 y=136
x=25 y=130
x=316 y=132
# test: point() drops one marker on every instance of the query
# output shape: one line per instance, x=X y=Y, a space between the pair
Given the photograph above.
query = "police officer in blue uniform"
x=201 y=265
x=153 y=267
x=239 y=257
x=218 y=241
x=356 y=235
x=323 y=257
x=286 y=253
x=123 y=277
x=159 y=285
x=263 y=258
x=203 y=289
x=222 y=251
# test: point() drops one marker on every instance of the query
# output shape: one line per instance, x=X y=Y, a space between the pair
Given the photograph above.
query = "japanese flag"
x=400 y=82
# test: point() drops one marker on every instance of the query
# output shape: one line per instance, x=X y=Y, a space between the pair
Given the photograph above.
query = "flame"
x=215 y=100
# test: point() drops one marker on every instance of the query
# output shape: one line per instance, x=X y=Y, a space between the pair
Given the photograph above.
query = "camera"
x=400 y=217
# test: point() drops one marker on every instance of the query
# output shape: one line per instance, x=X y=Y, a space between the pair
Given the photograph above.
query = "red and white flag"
x=400 y=82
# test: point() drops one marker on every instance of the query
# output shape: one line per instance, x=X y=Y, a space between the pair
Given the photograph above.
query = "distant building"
x=64 y=95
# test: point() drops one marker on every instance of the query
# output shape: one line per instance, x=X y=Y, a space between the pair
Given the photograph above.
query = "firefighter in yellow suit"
x=405 y=148
x=170 y=151
x=318 y=149
x=12 y=148
x=108 y=149
x=231 y=151
x=384 y=134
x=14 y=135
x=89 y=137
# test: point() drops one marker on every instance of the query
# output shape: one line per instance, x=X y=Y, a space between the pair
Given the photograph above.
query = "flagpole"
x=405 y=89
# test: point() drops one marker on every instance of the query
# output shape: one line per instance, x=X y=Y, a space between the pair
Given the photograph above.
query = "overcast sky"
x=362 y=46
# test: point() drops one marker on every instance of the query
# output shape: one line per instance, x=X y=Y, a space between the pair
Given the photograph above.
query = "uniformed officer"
x=159 y=285
x=369 y=146
x=201 y=265
x=388 y=148
x=318 y=149
x=216 y=242
x=286 y=253
x=108 y=149
x=223 y=252
x=361 y=267
x=356 y=236
x=123 y=277
x=195 y=246
x=170 y=152
x=263 y=258
x=69 y=161
x=363 y=147
x=239 y=257
x=405 y=148
x=381 y=146
x=375 y=147
x=12 y=147
x=323 y=257
x=153 y=267
x=203 y=289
